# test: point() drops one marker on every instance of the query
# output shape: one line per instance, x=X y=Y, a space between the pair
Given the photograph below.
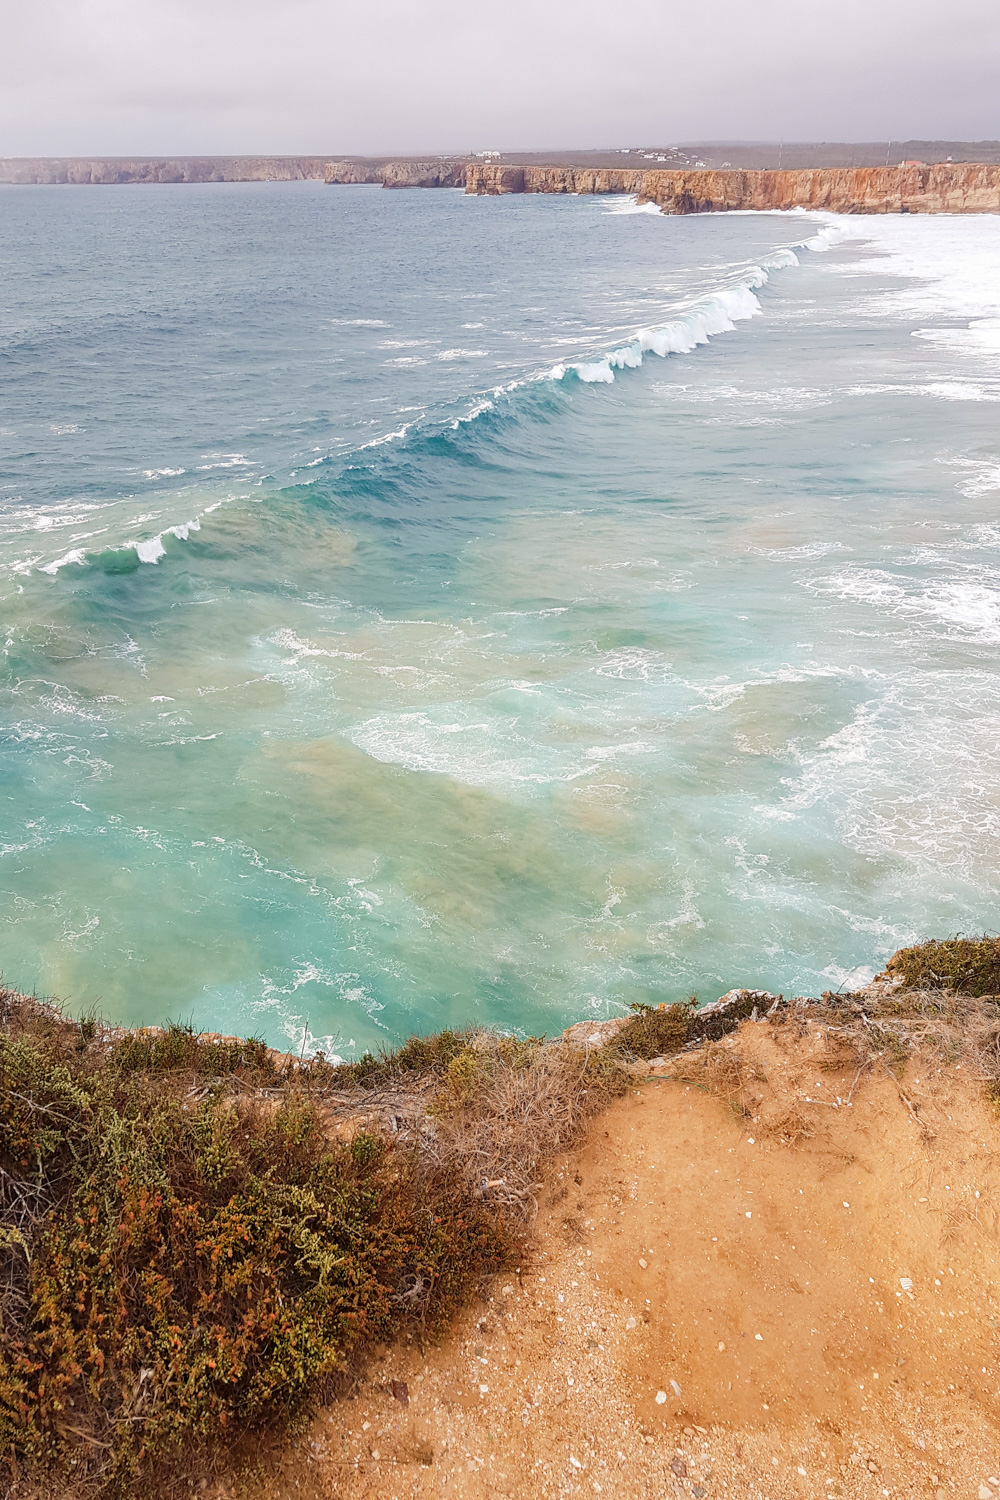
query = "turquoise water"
x=394 y=639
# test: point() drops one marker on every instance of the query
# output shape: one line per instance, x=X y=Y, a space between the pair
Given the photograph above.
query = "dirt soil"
x=772 y=1270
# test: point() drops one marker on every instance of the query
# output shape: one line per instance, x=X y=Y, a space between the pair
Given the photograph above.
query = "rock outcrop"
x=946 y=187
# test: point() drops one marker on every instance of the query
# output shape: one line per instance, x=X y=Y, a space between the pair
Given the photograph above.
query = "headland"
x=679 y=180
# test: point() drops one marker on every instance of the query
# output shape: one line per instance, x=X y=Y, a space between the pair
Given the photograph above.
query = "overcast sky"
x=356 y=76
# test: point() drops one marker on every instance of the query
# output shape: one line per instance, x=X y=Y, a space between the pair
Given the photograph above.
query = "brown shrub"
x=195 y=1233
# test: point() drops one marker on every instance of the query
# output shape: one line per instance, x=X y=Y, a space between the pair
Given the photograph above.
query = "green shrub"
x=650 y=1032
x=969 y=965
x=180 y=1048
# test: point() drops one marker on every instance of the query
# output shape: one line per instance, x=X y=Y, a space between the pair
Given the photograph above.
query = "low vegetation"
x=200 y=1238
x=197 y=1235
x=969 y=966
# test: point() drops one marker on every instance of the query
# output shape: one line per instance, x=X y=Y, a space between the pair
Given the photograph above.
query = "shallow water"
x=379 y=654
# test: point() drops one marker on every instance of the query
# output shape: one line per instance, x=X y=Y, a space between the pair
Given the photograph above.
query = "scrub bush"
x=650 y=1032
x=182 y=1263
x=969 y=965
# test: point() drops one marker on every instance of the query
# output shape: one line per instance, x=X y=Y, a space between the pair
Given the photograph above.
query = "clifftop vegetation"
x=200 y=1238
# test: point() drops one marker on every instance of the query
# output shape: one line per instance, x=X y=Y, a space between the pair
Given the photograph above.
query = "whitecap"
x=631 y=205
x=77 y=555
x=151 y=549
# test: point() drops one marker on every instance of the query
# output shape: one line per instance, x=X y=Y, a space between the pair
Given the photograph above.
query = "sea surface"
x=422 y=610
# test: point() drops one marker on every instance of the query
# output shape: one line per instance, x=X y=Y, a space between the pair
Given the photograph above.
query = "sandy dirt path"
x=768 y=1275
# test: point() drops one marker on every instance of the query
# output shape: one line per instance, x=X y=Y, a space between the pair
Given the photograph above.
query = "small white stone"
x=643 y=1263
x=661 y=1397
x=749 y=1214
x=985 y=1493
x=759 y=1337
x=575 y=1462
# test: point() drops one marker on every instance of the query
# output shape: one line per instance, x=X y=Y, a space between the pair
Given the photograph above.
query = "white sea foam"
x=488 y=752
x=695 y=324
x=630 y=205
x=225 y=461
x=75 y=555
x=151 y=549
x=379 y=442
x=983 y=478
x=969 y=607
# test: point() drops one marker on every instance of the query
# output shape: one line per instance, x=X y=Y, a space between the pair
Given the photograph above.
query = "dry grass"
x=878 y=1030
x=522 y=1111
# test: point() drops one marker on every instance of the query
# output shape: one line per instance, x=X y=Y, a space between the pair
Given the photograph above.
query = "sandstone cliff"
x=116 y=170
x=399 y=174
x=943 y=188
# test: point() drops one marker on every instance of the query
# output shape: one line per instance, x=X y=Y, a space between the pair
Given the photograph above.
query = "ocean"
x=423 y=610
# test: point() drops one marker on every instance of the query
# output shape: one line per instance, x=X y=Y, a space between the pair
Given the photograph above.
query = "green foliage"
x=367 y=1148
x=419 y=1055
x=474 y=1065
x=969 y=965
x=654 y=1033
x=178 y=1269
x=180 y=1048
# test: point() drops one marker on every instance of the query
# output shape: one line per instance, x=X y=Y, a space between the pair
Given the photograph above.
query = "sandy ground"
x=780 y=1284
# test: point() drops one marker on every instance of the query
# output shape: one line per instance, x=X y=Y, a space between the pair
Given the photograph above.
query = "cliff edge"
x=947 y=187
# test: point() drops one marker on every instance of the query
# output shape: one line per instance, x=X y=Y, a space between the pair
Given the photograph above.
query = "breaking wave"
x=693 y=324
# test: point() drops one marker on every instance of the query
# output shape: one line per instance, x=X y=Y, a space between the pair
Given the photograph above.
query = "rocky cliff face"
x=114 y=170
x=399 y=174
x=944 y=188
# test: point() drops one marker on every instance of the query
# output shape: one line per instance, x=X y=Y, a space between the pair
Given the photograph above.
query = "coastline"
x=912 y=187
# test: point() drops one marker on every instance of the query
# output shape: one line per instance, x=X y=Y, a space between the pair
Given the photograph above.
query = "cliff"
x=113 y=171
x=944 y=187
x=435 y=173
x=947 y=187
x=107 y=171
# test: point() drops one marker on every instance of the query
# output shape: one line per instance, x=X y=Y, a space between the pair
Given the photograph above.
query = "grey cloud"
x=162 y=76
